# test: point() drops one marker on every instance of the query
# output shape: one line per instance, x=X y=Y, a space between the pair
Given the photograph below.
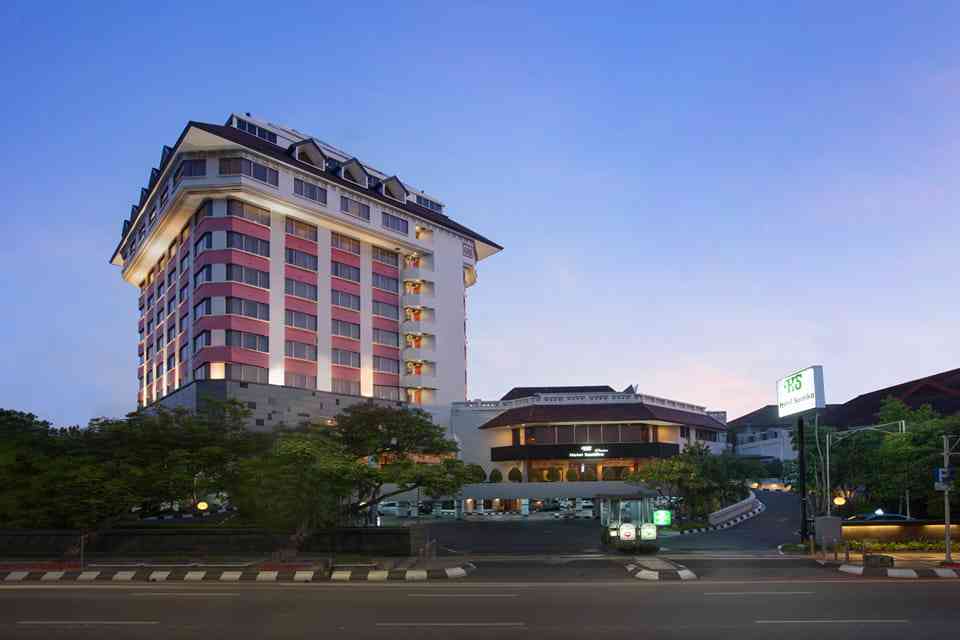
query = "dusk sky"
x=695 y=200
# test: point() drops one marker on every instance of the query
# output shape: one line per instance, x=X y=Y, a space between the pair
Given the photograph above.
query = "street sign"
x=944 y=475
x=800 y=391
x=662 y=517
x=648 y=531
x=941 y=486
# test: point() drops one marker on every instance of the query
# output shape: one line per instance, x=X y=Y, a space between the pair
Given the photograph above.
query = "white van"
x=585 y=508
x=401 y=509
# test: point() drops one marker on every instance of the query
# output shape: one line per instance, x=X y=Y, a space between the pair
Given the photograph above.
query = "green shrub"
x=571 y=475
x=553 y=475
x=495 y=476
x=589 y=475
x=515 y=475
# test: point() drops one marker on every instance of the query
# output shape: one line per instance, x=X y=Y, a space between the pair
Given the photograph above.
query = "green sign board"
x=662 y=517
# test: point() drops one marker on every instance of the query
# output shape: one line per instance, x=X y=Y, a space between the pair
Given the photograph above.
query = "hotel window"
x=253 y=129
x=159 y=341
x=302 y=350
x=299 y=380
x=183 y=322
x=301 y=259
x=301 y=229
x=300 y=289
x=249 y=308
x=150 y=376
x=685 y=433
x=346 y=329
x=395 y=223
x=149 y=352
x=248 y=275
x=202 y=372
x=386 y=365
x=632 y=433
x=565 y=435
x=385 y=392
x=343 y=299
x=159 y=314
x=202 y=308
x=345 y=271
x=468 y=250
x=707 y=436
x=201 y=340
x=149 y=326
x=388 y=338
x=245 y=373
x=171 y=361
x=302 y=320
x=246 y=340
x=183 y=354
x=245 y=210
x=611 y=433
x=347 y=387
x=238 y=166
x=391 y=311
x=184 y=290
x=429 y=204
x=386 y=283
x=345 y=243
x=190 y=169
x=386 y=257
x=204 y=242
x=345 y=358
x=184 y=263
x=309 y=191
x=171 y=331
x=150 y=300
x=248 y=243
x=540 y=435
x=172 y=303
x=354 y=208
x=203 y=274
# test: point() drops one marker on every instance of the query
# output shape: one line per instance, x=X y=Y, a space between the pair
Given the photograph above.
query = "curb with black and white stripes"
x=248 y=575
x=879 y=572
x=642 y=573
x=729 y=523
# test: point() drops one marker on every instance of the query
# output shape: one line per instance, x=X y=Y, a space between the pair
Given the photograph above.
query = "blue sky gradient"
x=696 y=200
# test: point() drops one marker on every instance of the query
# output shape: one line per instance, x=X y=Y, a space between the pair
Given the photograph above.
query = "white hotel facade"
x=281 y=271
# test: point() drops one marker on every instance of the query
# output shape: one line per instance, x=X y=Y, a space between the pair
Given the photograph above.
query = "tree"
x=400 y=447
x=496 y=476
x=515 y=475
x=477 y=472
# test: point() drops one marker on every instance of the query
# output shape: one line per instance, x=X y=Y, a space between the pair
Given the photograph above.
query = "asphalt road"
x=841 y=608
x=774 y=526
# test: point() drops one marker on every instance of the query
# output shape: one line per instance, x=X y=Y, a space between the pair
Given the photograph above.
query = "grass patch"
x=794 y=547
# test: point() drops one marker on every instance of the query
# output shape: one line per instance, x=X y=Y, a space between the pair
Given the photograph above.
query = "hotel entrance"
x=580 y=471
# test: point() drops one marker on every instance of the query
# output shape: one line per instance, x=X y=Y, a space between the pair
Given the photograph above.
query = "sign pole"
x=802 y=463
x=946 y=502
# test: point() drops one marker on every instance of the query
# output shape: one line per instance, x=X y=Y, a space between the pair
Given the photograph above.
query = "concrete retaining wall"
x=897 y=532
x=738 y=509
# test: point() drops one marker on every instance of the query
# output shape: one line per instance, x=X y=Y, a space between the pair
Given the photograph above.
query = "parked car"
x=878 y=517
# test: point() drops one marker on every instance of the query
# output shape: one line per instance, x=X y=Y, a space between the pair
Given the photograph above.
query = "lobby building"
x=267 y=258
x=560 y=434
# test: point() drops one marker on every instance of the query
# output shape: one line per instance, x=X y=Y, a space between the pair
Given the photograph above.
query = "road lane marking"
x=183 y=594
x=453 y=624
x=461 y=595
x=758 y=593
x=834 y=621
x=86 y=622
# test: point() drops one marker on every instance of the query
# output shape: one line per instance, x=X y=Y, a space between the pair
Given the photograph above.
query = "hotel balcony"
x=427 y=378
x=416 y=299
x=423 y=325
x=424 y=352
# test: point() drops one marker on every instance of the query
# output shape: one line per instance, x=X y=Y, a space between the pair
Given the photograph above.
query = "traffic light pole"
x=802 y=463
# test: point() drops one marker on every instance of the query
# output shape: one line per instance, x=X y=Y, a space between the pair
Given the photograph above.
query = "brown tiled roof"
x=941 y=391
x=618 y=412
x=526 y=392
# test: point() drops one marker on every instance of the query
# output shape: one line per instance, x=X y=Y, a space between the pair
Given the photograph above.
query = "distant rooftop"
x=526 y=392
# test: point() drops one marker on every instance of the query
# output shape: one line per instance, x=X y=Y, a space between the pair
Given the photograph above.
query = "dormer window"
x=353 y=171
x=260 y=132
x=309 y=152
x=393 y=188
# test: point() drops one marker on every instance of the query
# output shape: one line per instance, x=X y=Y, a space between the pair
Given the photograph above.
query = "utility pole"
x=946 y=501
x=802 y=463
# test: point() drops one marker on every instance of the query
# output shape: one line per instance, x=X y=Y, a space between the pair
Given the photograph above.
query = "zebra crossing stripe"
x=16 y=576
x=159 y=576
x=194 y=576
x=52 y=576
x=87 y=576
